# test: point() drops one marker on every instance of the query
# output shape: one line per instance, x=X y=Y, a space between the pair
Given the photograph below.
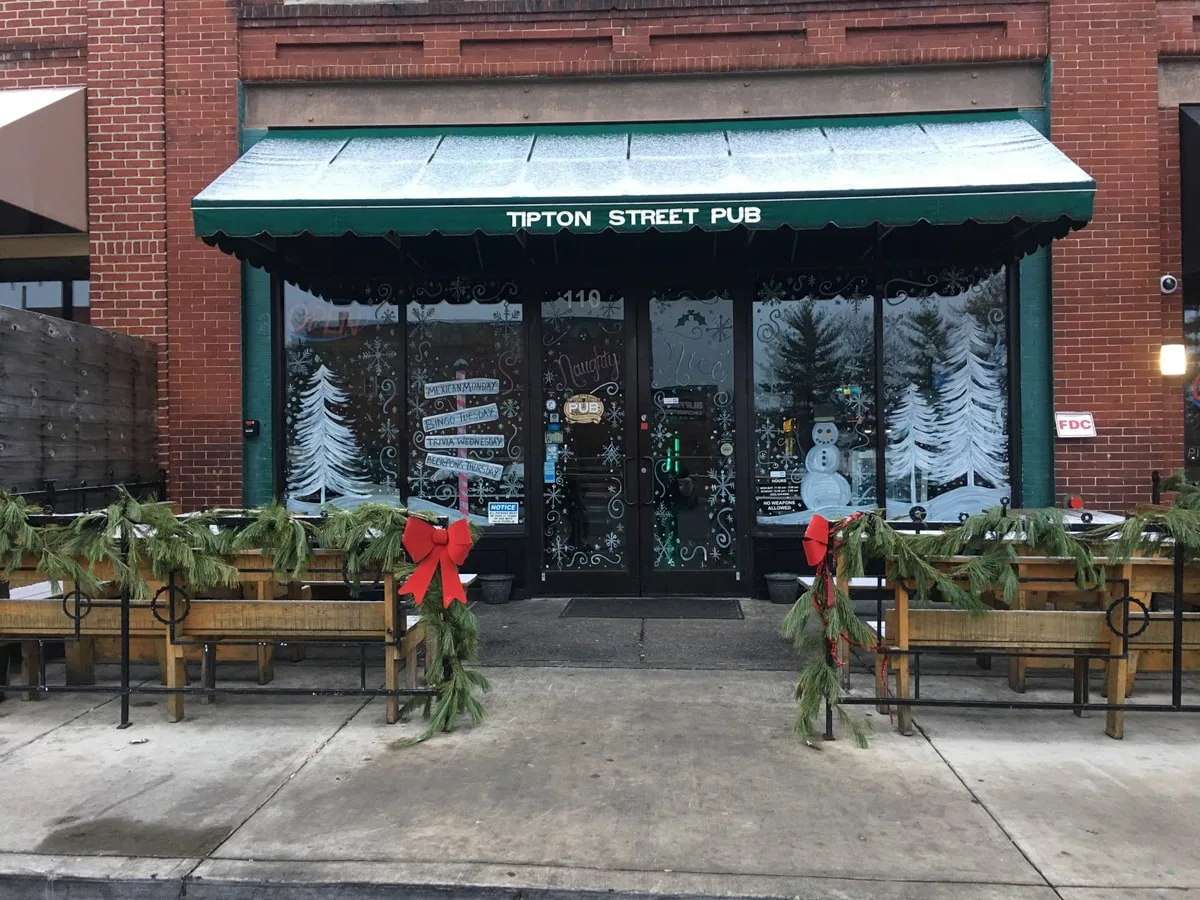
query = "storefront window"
x=814 y=397
x=343 y=413
x=946 y=380
x=466 y=400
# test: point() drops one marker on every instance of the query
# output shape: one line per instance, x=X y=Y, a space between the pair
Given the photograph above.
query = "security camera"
x=1169 y=284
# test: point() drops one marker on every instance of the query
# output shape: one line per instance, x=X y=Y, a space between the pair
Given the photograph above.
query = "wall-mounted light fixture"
x=1172 y=359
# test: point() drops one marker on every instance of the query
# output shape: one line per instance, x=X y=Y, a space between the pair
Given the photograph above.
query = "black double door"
x=640 y=451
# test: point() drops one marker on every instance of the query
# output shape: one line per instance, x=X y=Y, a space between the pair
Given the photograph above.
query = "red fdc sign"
x=1075 y=425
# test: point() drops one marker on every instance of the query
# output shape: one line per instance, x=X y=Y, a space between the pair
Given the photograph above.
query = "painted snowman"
x=822 y=487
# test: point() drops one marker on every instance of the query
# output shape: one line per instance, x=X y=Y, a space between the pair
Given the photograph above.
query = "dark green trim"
x=258 y=465
x=1036 y=324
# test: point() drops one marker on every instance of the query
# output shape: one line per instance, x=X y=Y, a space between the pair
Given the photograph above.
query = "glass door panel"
x=690 y=437
x=585 y=431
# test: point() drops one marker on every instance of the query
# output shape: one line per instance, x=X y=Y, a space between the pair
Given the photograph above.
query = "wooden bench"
x=1076 y=632
x=267 y=613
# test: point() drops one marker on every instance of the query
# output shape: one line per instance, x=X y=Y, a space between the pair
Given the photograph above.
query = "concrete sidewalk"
x=620 y=782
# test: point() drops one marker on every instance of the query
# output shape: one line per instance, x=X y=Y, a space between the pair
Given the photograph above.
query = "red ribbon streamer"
x=430 y=548
x=818 y=551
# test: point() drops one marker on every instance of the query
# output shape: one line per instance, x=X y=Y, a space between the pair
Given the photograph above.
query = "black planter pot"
x=782 y=587
x=495 y=589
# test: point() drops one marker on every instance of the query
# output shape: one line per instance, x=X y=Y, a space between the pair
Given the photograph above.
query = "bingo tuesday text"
x=645 y=218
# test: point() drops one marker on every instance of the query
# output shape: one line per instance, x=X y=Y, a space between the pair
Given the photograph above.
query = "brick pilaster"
x=1107 y=306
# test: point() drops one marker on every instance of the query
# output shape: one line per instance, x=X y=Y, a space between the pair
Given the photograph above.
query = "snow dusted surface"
x=425 y=165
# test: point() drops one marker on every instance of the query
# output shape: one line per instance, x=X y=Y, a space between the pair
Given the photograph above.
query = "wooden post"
x=1118 y=673
x=81 y=661
x=1017 y=665
x=391 y=654
x=842 y=585
x=903 y=711
x=176 y=666
x=31 y=655
x=266 y=652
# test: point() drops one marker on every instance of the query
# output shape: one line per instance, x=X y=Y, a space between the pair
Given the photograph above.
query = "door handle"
x=625 y=480
x=647 y=495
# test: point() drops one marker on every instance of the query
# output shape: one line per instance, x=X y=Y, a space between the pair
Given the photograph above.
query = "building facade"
x=640 y=285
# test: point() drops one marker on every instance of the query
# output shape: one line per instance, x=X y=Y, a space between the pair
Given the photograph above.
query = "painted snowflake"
x=420 y=480
x=388 y=432
x=611 y=454
x=767 y=432
x=720 y=329
x=614 y=414
x=612 y=541
x=377 y=355
x=560 y=550
x=510 y=408
x=554 y=496
x=566 y=454
x=660 y=433
x=721 y=490
x=300 y=361
x=510 y=484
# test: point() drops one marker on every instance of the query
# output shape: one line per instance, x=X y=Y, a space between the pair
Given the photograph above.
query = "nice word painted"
x=648 y=217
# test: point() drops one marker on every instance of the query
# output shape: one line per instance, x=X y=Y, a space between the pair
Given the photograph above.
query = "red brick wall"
x=204 y=285
x=43 y=43
x=278 y=44
x=127 y=176
x=1107 y=306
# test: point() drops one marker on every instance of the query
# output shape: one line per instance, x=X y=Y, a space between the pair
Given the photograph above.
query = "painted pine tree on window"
x=971 y=403
x=913 y=439
x=325 y=458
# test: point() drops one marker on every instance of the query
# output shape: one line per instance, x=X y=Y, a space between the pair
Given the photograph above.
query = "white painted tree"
x=971 y=400
x=913 y=443
x=325 y=457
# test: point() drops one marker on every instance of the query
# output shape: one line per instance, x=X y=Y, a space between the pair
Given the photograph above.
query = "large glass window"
x=466 y=400
x=814 y=397
x=945 y=383
x=946 y=379
x=343 y=413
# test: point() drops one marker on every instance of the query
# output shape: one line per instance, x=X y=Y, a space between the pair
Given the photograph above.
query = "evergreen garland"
x=988 y=545
x=276 y=533
x=131 y=537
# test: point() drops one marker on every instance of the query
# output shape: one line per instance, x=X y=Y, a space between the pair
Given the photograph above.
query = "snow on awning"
x=851 y=172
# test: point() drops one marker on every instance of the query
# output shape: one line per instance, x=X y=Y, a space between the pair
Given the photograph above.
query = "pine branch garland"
x=276 y=533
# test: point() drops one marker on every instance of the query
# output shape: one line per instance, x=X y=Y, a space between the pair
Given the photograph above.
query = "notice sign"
x=463 y=386
x=470 y=416
x=465 y=442
x=1075 y=425
x=490 y=471
x=504 y=514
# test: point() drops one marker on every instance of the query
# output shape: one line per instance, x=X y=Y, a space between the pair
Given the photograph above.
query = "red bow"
x=816 y=540
x=431 y=547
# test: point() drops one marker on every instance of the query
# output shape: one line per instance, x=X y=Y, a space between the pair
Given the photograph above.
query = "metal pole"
x=125 y=723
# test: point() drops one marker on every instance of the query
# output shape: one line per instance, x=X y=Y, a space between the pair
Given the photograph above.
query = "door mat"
x=653 y=608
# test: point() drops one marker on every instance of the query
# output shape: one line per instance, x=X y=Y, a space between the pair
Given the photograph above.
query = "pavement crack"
x=283 y=782
x=641 y=641
x=975 y=798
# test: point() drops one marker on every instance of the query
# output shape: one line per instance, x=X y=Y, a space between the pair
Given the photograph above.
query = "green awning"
x=808 y=173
